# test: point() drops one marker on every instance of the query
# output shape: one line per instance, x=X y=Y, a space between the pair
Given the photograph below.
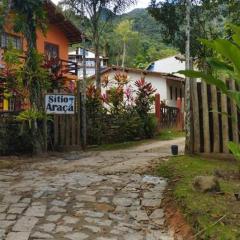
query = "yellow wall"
x=5 y=105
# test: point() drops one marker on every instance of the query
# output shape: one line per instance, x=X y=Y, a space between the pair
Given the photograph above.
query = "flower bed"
x=121 y=114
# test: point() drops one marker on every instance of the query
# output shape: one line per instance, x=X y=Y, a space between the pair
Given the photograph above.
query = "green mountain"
x=144 y=23
x=149 y=46
x=140 y=51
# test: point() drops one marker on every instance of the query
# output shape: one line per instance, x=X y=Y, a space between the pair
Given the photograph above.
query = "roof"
x=167 y=76
x=169 y=65
x=56 y=17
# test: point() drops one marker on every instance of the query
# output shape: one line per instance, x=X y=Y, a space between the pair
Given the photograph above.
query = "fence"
x=215 y=119
x=66 y=129
x=66 y=132
x=169 y=117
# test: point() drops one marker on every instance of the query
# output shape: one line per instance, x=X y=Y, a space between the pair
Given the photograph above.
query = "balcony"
x=61 y=67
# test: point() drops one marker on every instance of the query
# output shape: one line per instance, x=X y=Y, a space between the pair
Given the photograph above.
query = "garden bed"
x=204 y=210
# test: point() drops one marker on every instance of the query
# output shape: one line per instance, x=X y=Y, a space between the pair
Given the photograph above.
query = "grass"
x=118 y=146
x=204 y=209
x=169 y=134
x=164 y=135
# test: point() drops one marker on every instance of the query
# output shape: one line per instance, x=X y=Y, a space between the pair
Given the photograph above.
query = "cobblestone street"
x=93 y=195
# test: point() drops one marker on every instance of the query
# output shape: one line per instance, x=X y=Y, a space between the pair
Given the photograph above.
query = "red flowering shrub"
x=121 y=78
x=117 y=115
x=105 y=80
x=115 y=96
x=143 y=103
x=94 y=101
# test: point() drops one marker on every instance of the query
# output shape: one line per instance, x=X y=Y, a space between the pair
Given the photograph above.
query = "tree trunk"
x=124 y=54
x=35 y=91
x=83 y=99
x=188 y=118
x=98 y=67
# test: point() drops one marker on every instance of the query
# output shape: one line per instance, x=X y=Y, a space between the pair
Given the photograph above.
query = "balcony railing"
x=60 y=66
x=69 y=67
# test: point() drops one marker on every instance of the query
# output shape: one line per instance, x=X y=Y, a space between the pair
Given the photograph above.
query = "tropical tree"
x=125 y=33
x=98 y=12
x=29 y=15
x=207 y=21
x=175 y=16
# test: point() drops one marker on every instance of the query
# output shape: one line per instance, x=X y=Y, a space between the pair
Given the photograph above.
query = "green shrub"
x=13 y=140
x=150 y=126
x=118 y=116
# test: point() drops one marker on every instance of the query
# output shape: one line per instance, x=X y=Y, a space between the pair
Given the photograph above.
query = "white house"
x=77 y=56
x=169 y=86
x=168 y=65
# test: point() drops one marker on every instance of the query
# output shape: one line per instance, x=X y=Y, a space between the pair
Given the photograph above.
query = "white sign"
x=59 y=104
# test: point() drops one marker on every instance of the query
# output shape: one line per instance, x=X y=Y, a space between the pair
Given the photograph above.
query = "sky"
x=140 y=4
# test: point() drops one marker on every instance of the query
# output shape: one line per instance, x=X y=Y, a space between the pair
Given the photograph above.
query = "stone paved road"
x=95 y=195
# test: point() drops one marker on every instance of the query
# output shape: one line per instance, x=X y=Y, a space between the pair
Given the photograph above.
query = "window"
x=171 y=93
x=51 y=51
x=151 y=67
x=176 y=93
x=10 y=40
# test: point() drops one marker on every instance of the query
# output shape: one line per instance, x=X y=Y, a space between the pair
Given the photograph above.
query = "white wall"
x=168 y=65
x=89 y=71
x=160 y=84
x=176 y=85
x=157 y=82
x=90 y=62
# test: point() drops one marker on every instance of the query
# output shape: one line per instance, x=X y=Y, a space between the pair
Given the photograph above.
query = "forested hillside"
x=145 y=47
x=142 y=34
x=144 y=23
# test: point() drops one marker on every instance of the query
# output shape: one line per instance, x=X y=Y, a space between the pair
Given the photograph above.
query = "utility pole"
x=84 y=85
x=188 y=116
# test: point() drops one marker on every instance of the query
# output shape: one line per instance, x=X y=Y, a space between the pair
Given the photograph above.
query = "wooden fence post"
x=225 y=127
x=196 y=124
x=234 y=115
x=205 y=110
x=216 y=135
x=45 y=126
x=180 y=116
x=158 y=108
